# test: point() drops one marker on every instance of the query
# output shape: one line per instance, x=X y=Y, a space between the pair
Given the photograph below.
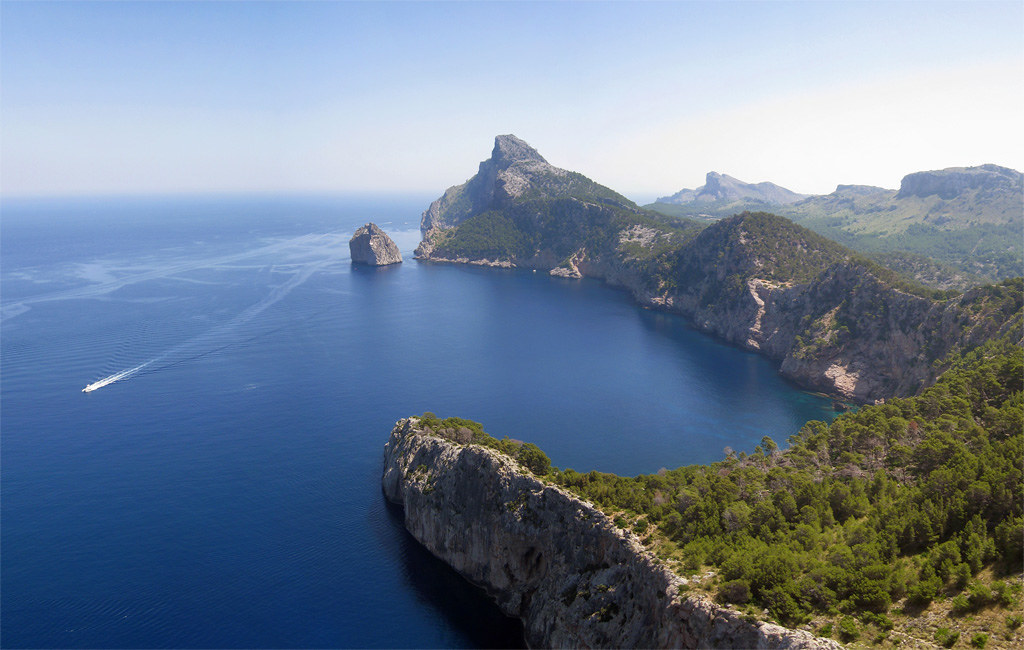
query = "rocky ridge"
x=551 y=559
x=371 y=245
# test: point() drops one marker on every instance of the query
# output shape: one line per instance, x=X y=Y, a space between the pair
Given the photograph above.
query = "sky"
x=646 y=98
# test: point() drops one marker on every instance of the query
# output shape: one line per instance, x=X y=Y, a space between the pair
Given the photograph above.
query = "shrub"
x=736 y=592
x=979 y=640
x=961 y=605
x=979 y=595
x=534 y=459
x=848 y=630
x=944 y=637
x=925 y=591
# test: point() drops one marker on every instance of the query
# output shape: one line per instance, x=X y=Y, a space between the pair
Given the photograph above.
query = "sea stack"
x=371 y=245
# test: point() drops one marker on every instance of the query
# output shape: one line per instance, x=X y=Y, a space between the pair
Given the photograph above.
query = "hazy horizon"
x=338 y=98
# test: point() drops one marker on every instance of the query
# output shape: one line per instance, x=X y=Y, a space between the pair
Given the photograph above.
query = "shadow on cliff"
x=466 y=607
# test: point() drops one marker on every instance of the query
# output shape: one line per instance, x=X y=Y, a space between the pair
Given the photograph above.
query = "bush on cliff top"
x=465 y=431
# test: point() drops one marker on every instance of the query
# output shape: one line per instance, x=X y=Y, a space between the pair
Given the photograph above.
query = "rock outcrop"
x=955 y=181
x=371 y=245
x=551 y=559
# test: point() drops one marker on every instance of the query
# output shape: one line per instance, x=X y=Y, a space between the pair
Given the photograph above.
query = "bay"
x=223 y=488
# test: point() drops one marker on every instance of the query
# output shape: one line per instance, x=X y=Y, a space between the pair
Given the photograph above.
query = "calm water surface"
x=222 y=488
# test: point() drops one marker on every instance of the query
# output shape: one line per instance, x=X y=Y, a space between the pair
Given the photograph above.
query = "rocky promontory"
x=371 y=245
x=550 y=558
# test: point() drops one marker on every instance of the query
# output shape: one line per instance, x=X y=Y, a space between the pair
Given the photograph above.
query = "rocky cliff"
x=551 y=559
x=834 y=321
x=956 y=181
x=515 y=171
x=371 y=245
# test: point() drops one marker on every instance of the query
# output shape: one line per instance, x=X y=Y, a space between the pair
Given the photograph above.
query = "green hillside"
x=968 y=221
x=861 y=523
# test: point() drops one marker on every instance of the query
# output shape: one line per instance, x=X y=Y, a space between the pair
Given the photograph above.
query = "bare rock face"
x=951 y=183
x=371 y=245
x=552 y=559
x=510 y=168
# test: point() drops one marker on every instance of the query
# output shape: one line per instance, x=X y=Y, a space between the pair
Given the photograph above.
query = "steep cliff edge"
x=551 y=559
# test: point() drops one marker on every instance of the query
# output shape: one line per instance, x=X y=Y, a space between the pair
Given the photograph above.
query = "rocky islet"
x=371 y=246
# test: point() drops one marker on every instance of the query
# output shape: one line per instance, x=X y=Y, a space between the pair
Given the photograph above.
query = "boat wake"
x=216 y=339
x=117 y=376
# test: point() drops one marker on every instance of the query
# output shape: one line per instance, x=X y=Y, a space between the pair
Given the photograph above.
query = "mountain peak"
x=514 y=171
x=508 y=149
x=725 y=188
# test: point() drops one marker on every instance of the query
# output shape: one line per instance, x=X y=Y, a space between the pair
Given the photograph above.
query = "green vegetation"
x=565 y=184
x=466 y=432
x=772 y=247
x=490 y=235
x=987 y=252
x=559 y=226
x=910 y=499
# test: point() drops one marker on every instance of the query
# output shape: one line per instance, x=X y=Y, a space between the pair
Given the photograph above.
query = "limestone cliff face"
x=371 y=245
x=551 y=559
x=849 y=333
x=955 y=181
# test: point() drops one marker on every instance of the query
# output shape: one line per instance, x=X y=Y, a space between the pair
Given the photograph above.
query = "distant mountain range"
x=967 y=220
x=722 y=188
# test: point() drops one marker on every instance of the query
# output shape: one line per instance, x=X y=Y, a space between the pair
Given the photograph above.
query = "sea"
x=219 y=486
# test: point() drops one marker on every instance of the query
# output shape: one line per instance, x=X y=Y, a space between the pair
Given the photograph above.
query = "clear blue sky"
x=643 y=97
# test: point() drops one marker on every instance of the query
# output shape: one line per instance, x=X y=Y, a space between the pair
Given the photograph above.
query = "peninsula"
x=548 y=557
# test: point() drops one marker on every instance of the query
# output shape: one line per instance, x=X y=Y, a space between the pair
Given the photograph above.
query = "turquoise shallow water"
x=222 y=489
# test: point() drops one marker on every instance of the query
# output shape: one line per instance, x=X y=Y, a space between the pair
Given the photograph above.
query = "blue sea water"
x=222 y=489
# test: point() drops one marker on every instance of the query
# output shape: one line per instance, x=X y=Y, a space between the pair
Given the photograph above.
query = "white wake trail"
x=117 y=376
x=274 y=297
